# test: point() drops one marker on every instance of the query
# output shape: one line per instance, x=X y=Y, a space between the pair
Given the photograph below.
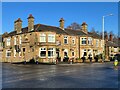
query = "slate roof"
x=94 y=35
x=57 y=30
x=111 y=44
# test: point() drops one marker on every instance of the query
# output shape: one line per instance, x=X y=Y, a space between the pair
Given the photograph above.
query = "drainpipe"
x=79 y=45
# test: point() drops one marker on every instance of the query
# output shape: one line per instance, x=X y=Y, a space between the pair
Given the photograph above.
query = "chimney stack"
x=18 y=25
x=111 y=37
x=84 y=27
x=62 y=23
x=106 y=37
x=30 y=23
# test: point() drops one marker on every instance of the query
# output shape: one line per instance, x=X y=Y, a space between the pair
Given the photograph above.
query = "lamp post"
x=103 y=27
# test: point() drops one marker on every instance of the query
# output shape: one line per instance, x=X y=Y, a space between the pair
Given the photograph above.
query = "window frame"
x=43 y=37
x=51 y=38
x=73 y=39
x=8 y=41
x=84 y=40
x=51 y=50
x=89 y=41
x=66 y=38
x=7 y=53
x=42 y=49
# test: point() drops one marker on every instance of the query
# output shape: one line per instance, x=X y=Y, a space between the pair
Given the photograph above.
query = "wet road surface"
x=83 y=75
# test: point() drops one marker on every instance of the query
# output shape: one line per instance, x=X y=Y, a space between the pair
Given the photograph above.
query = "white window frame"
x=19 y=54
x=83 y=39
x=42 y=37
x=14 y=40
x=89 y=41
x=8 y=41
x=14 y=53
x=66 y=37
x=97 y=43
x=20 y=40
x=73 y=40
x=42 y=49
x=51 y=38
x=51 y=49
x=7 y=53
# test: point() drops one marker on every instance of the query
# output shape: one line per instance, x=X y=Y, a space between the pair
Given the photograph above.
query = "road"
x=83 y=75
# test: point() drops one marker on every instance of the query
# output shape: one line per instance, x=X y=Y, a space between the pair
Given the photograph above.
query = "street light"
x=103 y=33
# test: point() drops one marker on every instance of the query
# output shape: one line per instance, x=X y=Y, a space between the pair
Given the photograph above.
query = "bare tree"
x=74 y=26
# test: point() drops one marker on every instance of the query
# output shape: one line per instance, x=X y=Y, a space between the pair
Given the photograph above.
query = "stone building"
x=49 y=42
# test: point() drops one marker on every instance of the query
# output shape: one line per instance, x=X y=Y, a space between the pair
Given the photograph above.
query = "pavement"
x=81 y=75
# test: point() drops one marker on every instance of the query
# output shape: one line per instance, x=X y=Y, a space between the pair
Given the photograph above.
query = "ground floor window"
x=50 y=52
x=8 y=53
x=73 y=54
x=43 y=52
x=14 y=53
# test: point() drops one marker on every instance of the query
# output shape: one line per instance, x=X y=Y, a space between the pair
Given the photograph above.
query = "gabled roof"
x=94 y=35
x=75 y=32
x=57 y=30
x=111 y=44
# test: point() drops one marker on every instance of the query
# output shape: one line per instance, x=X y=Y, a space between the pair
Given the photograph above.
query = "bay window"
x=50 y=52
x=43 y=52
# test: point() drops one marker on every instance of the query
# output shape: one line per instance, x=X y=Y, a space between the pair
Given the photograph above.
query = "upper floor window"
x=14 y=40
x=8 y=53
x=97 y=43
x=8 y=41
x=101 y=43
x=73 y=40
x=65 y=40
x=89 y=41
x=43 y=37
x=84 y=40
x=20 y=39
x=43 y=52
x=51 y=38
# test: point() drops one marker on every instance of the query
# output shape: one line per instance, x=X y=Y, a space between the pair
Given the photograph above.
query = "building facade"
x=49 y=42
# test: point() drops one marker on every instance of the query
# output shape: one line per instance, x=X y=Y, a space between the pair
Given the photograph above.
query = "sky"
x=49 y=13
